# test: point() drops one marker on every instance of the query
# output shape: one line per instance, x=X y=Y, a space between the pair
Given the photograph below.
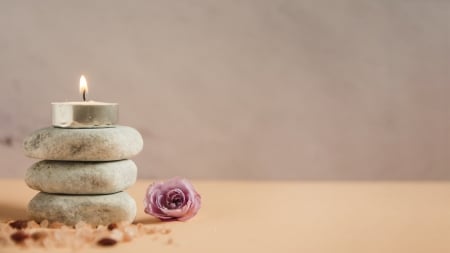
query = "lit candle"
x=84 y=114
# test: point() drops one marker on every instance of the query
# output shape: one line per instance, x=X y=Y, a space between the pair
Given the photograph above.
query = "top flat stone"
x=92 y=144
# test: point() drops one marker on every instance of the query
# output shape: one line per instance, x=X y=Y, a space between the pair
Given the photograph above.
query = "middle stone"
x=81 y=177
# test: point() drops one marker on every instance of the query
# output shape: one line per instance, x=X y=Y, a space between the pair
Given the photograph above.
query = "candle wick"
x=84 y=95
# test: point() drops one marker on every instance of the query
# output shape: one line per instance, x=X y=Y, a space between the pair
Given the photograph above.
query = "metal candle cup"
x=89 y=114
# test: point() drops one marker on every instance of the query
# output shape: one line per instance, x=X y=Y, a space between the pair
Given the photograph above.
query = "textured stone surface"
x=100 y=144
x=81 y=177
x=92 y=209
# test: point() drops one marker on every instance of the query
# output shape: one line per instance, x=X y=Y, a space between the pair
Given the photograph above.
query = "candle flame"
x=83 y=87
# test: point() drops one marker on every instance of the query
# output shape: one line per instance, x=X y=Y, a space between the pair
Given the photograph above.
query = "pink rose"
x=174 y=199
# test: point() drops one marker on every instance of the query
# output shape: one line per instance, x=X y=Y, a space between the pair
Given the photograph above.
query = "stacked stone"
x=83 y=174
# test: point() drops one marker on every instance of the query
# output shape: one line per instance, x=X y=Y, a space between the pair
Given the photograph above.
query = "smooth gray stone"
x=81 y=177
x=92 y=144
x=92 y=209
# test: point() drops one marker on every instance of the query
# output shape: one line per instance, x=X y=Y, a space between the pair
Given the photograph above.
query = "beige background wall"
x=241 y=89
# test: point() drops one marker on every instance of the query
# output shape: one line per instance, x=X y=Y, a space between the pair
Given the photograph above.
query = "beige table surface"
x=247 y=216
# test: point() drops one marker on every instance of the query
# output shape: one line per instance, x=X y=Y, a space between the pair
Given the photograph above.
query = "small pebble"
x=165 y=231
x=19 y=236
x=112 y=226
x=38 y=235
x=33 y=224
x=56 y=225
x=106 y=242
x=19 y=224
x=44 y=224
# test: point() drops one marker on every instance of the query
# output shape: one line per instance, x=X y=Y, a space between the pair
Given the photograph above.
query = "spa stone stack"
x=83 y=174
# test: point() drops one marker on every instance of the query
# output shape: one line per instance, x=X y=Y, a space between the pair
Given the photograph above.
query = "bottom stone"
x=92 y=209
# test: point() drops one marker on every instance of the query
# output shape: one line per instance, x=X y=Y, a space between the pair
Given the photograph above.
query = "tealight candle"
x=84 y=114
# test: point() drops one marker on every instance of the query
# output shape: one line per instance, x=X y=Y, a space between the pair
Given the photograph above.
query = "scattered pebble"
x=106 y=242
x=19 y=236
x=19 y=224
x=165 y=231
x=47 y=234
x=44 y=224
x=38 y=235
x=56 y=225
x=112 y=226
